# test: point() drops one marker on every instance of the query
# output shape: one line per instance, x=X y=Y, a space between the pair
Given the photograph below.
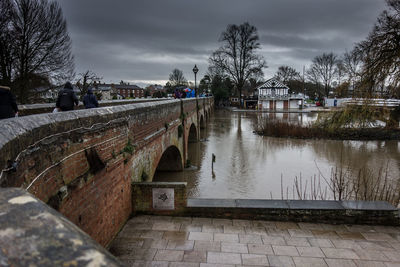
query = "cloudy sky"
x=143 y=41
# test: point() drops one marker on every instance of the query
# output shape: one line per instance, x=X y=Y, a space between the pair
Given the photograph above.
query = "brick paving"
x=207 y=242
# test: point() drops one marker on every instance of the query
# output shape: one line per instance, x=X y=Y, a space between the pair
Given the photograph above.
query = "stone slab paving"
x=207 y=242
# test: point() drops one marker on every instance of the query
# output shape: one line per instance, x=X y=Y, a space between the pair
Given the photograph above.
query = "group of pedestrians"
x=185 y=93
x=66 y=100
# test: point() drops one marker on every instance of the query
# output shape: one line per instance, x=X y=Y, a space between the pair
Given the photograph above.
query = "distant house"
x=275 y=95
x=104 y=90
x=44 y=94
x=128 y=90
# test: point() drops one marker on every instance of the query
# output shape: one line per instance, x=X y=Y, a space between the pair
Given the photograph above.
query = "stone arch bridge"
x=82 y=163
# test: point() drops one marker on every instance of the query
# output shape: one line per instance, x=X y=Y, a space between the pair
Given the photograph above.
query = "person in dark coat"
x=90 y=100
x=8 y=105
x=67 y=98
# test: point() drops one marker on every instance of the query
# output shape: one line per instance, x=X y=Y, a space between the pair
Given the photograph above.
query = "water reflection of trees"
x=356 y=155
x=240 y=172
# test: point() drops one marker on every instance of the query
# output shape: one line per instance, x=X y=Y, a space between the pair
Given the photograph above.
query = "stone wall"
x=317 y=211
x=146 y=196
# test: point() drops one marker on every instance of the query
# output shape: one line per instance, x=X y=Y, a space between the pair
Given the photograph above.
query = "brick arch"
x=171 y=160
x=207 y=112
x=202 y=122
x=192 y=136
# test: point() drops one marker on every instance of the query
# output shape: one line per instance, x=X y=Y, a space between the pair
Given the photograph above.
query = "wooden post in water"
x=212 y=166
x=212 y=162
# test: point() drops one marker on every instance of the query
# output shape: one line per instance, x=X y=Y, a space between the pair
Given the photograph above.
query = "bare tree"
x=286 y=74
x=86 y=80
x=323 y=70
x=380 y=52
x=352 y=64
x=40 y=44
x=340 y=71
x=237 y=56
x=313 y=78
x=6 y=45
x=176 y=78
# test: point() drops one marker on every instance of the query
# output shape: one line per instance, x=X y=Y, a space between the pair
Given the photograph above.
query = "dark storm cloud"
x=145 y=40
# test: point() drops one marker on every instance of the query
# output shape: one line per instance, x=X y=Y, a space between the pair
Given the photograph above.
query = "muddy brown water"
x=258 y=167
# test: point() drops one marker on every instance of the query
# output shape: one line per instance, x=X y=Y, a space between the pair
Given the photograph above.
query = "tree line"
x=372 y=66
x=35 y=50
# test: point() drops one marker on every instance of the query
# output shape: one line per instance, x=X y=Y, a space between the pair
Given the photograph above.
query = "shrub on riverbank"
x=364 y=122
x=278 y=128
x=285 y=129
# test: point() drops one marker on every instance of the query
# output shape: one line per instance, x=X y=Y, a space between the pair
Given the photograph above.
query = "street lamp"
x=195 y=70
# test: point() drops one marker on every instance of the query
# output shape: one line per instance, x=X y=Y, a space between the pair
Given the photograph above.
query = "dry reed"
x=344 y=184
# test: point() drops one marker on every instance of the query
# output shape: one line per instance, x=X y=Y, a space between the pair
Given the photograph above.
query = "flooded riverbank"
x=252 y=166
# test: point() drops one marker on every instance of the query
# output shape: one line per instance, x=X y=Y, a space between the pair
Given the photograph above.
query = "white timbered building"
x=275 y=95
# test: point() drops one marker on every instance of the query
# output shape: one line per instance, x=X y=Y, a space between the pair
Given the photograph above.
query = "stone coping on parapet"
x=16 y=134
x=102 y=103
x=321 y=211
x=30 y=109
x=33 y=234
x=15 y=127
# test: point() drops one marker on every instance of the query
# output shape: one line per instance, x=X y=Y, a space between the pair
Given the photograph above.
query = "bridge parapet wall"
x=82 y=163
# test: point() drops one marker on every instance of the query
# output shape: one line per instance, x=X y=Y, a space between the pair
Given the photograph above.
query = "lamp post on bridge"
x=195 y=70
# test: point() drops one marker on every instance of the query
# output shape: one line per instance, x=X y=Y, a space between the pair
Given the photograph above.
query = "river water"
x=251 y=166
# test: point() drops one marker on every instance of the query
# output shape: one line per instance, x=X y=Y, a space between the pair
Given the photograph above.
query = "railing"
x=279 y=97
x=373 y=102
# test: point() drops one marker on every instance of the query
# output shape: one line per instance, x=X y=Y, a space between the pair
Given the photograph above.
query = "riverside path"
x=208 y=242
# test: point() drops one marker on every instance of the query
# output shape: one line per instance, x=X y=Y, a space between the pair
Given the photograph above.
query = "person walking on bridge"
x=90 y=100
x=8 y=104
x=67 y=98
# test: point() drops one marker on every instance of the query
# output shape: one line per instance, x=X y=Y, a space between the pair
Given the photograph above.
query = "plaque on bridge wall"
x=163 y=199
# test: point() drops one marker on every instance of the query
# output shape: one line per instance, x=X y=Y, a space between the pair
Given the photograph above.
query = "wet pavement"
x=207 y=242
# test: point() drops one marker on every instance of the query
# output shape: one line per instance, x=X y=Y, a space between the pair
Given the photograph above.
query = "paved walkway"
x=206 y=242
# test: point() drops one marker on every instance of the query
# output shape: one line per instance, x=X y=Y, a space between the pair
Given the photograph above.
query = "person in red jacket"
x=8 y=105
